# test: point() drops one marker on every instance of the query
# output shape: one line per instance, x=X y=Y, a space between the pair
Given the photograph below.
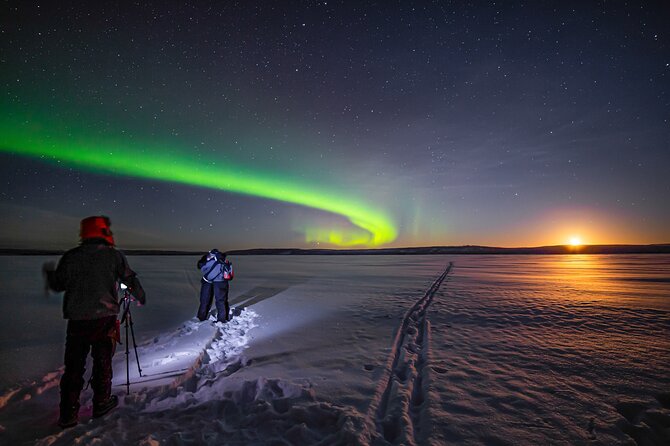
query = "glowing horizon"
x=575 y=241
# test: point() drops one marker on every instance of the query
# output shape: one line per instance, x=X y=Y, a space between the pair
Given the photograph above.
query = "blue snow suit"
x=213 y=285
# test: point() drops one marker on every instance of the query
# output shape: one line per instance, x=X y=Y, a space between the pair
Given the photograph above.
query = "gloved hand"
x=47 y=267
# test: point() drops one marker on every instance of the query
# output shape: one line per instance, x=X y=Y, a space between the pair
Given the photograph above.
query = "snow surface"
x=364 y=350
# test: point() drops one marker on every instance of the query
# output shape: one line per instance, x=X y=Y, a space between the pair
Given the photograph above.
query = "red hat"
x=96 y=227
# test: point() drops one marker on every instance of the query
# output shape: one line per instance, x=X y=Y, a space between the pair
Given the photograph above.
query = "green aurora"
x=106 y=156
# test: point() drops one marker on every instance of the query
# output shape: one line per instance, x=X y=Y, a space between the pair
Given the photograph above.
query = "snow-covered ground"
x=364 y=350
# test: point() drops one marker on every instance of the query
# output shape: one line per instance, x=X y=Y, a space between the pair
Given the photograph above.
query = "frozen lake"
x=383 y=350
x=32 y=332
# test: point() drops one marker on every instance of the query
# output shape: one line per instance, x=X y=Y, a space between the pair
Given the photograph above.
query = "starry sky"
x=335 y=123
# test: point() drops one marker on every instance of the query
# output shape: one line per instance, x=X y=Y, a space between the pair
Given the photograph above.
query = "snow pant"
x=217 y=291
x=99 y=336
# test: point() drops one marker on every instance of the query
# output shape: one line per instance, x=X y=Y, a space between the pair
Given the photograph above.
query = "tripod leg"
x=132 y=332
x=127 y=365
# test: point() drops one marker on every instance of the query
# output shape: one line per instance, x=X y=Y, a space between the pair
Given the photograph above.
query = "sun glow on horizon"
x=575 y=241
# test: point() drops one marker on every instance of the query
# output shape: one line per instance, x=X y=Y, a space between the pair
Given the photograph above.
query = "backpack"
x=228 y=273
x=224 y=268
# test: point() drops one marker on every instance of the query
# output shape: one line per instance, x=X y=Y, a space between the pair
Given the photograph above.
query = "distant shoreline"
x=426 y=250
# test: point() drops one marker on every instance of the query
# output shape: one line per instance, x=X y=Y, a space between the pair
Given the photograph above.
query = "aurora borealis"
x=374 y=228
x=333 y=124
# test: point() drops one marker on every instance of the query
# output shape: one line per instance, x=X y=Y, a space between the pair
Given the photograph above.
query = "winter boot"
x=100 y=409
x=68 y=418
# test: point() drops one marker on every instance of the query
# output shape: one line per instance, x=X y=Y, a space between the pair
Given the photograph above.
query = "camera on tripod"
x=127 y=320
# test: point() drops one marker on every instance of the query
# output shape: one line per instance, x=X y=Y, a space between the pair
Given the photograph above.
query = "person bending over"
x=216 y=271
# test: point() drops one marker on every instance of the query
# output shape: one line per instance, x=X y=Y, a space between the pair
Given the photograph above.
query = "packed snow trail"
x=189 y=355
x=397 y=411
x=172 y=358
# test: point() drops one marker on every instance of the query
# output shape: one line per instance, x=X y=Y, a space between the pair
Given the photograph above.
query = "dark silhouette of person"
x=216 y=271
x=90 y=275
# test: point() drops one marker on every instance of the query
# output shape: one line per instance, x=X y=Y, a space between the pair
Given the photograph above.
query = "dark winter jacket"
x=89 y=275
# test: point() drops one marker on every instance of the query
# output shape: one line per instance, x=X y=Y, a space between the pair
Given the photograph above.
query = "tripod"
x=127 y=319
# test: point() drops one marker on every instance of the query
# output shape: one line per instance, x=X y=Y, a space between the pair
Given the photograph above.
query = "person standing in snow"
x=216 y=271
x=90 y=275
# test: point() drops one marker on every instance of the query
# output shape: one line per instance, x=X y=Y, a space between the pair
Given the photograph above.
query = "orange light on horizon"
x=575 y=241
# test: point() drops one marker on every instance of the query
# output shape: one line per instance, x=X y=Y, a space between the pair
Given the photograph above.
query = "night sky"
x=335 y=124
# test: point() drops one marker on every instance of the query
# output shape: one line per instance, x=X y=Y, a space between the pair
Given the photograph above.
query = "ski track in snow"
x=397 y=410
